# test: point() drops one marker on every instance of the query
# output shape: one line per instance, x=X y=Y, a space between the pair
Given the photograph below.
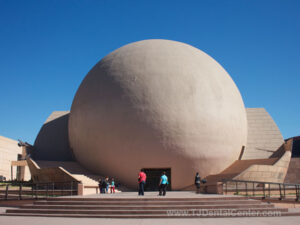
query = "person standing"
x=197 y=182
x=163 y=183
x=103 y=186
x=142 y=181
x=112 y=186
x=107 y=184
x=100 y=186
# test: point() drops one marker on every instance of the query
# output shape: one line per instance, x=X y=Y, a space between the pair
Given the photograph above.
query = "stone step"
x=145 y=212
x=155 y=207
x=158 y=198
x=107 y=203
x=117 y=207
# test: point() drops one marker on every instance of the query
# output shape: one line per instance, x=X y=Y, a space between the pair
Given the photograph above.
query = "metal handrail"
x=58 y=189
x=259 y=182
x=282 y=187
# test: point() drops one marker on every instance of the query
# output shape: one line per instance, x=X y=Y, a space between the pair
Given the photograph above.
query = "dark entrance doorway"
x=153 y=177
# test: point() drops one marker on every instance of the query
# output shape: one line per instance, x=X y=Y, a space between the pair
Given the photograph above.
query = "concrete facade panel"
x=264 y=137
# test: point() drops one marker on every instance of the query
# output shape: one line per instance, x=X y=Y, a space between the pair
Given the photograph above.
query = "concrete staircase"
x=155 y=207
x=74 y=168
x=85 y=180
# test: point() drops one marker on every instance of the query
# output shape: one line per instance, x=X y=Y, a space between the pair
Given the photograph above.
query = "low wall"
x=267 y=173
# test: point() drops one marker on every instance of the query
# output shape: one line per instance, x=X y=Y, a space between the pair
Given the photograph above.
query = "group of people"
x=105 y=185
x=163 y=183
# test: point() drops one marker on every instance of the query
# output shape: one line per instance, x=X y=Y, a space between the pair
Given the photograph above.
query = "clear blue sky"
x=47 y=47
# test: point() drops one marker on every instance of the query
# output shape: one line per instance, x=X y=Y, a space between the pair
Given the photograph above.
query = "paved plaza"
x=7 y=220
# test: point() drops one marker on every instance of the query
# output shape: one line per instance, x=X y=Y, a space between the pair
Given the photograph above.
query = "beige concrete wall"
x=9 y=151
x=267 y=173
x=264 y=137
x=293 y=174
x=27 y=175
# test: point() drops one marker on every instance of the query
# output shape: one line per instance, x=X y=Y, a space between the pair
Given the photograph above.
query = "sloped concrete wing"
x=52 y=142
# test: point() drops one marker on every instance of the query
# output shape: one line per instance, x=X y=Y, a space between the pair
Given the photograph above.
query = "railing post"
x=6 y=192
x=264 y=191
x=20 y=191
x=283 y=190
x=246 y=185
x=47 y=190
x=52 y=189
x=297 y=192
x=236 y=188
x=71 y=188
x=36 y=187
x=253 y=189
x=32 y=190
x=280 y=198
x=269 y=190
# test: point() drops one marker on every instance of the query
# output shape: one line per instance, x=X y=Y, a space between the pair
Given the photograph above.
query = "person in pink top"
x=142 y=182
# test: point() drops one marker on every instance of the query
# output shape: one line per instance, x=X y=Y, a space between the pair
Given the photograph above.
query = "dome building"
x=158 y=105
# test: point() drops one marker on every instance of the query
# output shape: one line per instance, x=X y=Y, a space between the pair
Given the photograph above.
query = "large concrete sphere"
x=157 y=104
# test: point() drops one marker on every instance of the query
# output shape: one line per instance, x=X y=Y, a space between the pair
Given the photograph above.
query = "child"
x=112 y=186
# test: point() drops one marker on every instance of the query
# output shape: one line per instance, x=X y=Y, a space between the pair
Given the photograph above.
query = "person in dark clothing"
x=100 y=185
x=163 y=184
x=103 y=186
x=197 y=182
